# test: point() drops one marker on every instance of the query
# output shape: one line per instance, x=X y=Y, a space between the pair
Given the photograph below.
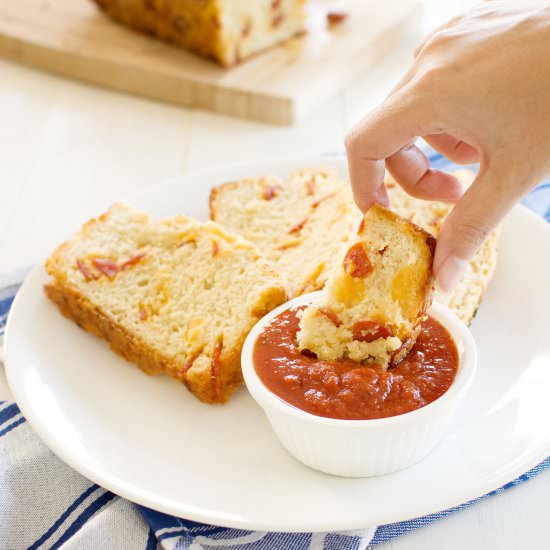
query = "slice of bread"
x=173 y=296
x=301 y=224
x=264 y=210
x=377 y=296
x=466 y=297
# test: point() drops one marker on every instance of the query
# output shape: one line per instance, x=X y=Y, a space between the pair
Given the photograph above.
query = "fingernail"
x=450 y=272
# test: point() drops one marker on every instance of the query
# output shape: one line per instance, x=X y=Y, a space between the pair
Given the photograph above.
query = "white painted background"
x=68 y=150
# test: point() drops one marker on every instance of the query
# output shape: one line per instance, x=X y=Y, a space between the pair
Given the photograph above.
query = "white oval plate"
x=149 y=440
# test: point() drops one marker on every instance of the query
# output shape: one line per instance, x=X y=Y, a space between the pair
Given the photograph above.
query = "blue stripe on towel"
x=151 y=541
x=7 y=295
x=9 y=412
x=12 y=426
x=80 y=521
x=63 y=517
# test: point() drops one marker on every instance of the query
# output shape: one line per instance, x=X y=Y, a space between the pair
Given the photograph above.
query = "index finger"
x=381 y=134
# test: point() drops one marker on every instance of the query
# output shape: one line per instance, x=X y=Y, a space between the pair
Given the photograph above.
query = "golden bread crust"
x=92 y=319
x=192 y=25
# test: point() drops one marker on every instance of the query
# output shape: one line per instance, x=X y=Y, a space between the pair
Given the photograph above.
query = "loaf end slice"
x=227 y=31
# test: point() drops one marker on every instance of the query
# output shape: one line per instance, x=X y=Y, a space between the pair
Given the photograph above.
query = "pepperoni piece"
x=109 y=267
x=106 y=266
x=215 y=248
x=322 y=199
x=270 y=192
x=356 y=262
x=132 y=261
x=335 y=17
x=286 y=246
x=331 y=316
x=277 y=20
x=88 y=275
x=298 y=227
x=369 y=331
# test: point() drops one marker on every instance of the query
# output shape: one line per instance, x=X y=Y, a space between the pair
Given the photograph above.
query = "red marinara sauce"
x=349 y=390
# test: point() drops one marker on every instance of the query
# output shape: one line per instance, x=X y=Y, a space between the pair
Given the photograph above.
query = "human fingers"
x=492 y=194
x=381 y=134
x=411 y=169
x=453 y=148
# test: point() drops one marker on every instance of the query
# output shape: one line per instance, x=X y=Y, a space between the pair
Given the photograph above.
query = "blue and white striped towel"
x=44 y=504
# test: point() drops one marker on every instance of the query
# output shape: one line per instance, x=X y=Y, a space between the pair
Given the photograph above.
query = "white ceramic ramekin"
x=362 y=448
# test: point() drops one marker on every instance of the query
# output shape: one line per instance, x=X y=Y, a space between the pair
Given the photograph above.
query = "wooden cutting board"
x=281 y=86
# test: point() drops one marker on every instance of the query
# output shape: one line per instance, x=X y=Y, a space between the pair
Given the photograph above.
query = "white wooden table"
x=68 y=150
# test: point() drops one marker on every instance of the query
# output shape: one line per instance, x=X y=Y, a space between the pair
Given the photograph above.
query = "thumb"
x=492 y=194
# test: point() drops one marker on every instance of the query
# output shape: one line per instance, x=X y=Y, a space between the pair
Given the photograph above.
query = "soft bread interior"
x=301 y=224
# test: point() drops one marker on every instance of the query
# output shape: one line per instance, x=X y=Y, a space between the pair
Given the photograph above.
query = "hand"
x=477 y=91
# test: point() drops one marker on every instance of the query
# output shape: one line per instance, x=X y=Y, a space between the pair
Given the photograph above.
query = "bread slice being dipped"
x=377 y=295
